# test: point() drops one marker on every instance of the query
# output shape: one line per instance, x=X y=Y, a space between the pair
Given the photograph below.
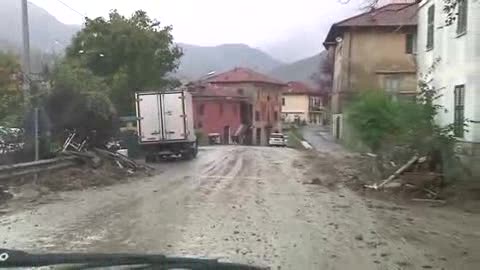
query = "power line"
x=71 y=8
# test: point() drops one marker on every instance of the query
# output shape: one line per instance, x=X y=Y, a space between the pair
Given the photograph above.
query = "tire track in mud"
x=241 y=230
x=258 y=211
x=217 y=174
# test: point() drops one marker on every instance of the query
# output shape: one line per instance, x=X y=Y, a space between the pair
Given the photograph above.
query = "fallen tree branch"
x=395 y=174
x=120 y=160
x=87 y=157
x=429 y=200
x=434 y=194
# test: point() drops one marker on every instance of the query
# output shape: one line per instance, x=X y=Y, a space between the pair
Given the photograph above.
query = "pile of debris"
x=95 y=157
x=414 y=177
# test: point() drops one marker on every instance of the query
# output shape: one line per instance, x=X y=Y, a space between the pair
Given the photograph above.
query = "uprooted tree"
x=129 y=54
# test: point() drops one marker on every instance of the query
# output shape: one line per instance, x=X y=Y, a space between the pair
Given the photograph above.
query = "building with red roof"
x=374 y=50
x=240 y=105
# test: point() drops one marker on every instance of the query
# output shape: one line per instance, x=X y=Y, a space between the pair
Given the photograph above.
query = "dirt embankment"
x=357 y=171
x=80 y=177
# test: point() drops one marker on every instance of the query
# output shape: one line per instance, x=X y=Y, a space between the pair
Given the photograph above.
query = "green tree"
x=79 y=100
x=11 y=95
x=131 y=54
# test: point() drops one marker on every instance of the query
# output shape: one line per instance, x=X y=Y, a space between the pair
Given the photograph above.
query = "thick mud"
x=249 y=205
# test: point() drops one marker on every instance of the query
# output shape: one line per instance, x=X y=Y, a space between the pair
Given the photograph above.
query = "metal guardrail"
x=27 y=168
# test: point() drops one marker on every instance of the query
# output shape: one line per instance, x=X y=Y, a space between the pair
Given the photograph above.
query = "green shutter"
x=462 y=16
x=431 y=26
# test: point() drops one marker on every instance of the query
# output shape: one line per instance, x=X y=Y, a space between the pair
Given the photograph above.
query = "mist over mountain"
x=49 y=36
x=46 y=32
x=302 y=70
x=199 y=60
x=299 y=45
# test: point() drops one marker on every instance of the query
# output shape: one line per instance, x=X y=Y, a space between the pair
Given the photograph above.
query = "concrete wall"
x=296 y=106
x=459 y=62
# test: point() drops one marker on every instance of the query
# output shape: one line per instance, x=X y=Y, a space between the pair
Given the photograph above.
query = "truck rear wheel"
x=195 y=149
x=148 y=158
x=191 y=153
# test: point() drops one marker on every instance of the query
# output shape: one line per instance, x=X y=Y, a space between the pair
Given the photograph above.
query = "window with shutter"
x=411 y=43
x=462 y=16
x=431 y=27
x=459 y=111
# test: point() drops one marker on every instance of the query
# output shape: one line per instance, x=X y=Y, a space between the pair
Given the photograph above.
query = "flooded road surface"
x=249 y=205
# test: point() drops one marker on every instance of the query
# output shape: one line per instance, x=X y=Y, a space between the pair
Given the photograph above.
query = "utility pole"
x=27 y=72
x=26 y=52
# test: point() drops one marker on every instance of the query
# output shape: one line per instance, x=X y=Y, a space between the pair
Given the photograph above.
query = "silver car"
x=277 y=139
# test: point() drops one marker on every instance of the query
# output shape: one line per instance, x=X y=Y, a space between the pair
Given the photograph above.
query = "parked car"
x=277 y=139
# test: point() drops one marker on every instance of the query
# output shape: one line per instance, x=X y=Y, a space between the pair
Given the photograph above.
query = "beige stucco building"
x=372 y=51
x=301 y=104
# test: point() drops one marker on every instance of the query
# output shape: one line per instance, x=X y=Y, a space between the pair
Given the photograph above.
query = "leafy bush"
x=11 y=95
x=375 y=117
x=79 y=100
x=396 y=130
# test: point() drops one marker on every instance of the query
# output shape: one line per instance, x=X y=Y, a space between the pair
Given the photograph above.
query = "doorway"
x=268 y=131
x=226 y=135
x=337 y=127
x=258 y=136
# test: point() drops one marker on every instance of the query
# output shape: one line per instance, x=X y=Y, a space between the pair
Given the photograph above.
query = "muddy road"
x=248 y=205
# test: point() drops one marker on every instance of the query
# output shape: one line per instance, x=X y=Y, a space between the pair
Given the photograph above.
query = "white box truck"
x=165 y=125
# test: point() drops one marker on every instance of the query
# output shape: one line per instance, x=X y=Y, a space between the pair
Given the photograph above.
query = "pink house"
x=219 y=110
x=241 y=105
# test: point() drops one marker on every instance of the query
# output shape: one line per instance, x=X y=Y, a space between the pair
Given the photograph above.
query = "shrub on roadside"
x=397 y=129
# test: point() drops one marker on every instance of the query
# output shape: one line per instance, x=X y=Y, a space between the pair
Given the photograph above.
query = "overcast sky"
x=258 y=23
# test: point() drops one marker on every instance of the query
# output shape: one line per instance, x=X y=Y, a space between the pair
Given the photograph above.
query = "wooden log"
x=88 y=157
x=405 y=167
x=430 y=201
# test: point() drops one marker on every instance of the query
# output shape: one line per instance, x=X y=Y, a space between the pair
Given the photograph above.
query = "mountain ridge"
x=46 y=32
x=199 y=60
x=302 y=70
x=49 y=36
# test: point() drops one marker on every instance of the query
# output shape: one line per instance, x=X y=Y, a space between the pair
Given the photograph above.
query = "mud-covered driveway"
x=249 y=205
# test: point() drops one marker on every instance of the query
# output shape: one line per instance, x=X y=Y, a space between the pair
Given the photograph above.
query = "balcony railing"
x=316 y=108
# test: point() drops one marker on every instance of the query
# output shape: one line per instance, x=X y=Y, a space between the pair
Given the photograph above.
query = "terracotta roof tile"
x=242 y=75
x=214 y=90
x=298 y=88
x=391 y=15
x=388 y=15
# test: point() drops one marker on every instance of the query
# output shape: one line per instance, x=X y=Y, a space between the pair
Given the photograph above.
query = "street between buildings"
x=250 y=205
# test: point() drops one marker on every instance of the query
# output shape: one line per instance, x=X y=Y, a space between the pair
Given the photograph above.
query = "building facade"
x=449 y=59
x=372 y=51
x=256 y=98
x=301 y=104
x=455 y=50
x=218 y=112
